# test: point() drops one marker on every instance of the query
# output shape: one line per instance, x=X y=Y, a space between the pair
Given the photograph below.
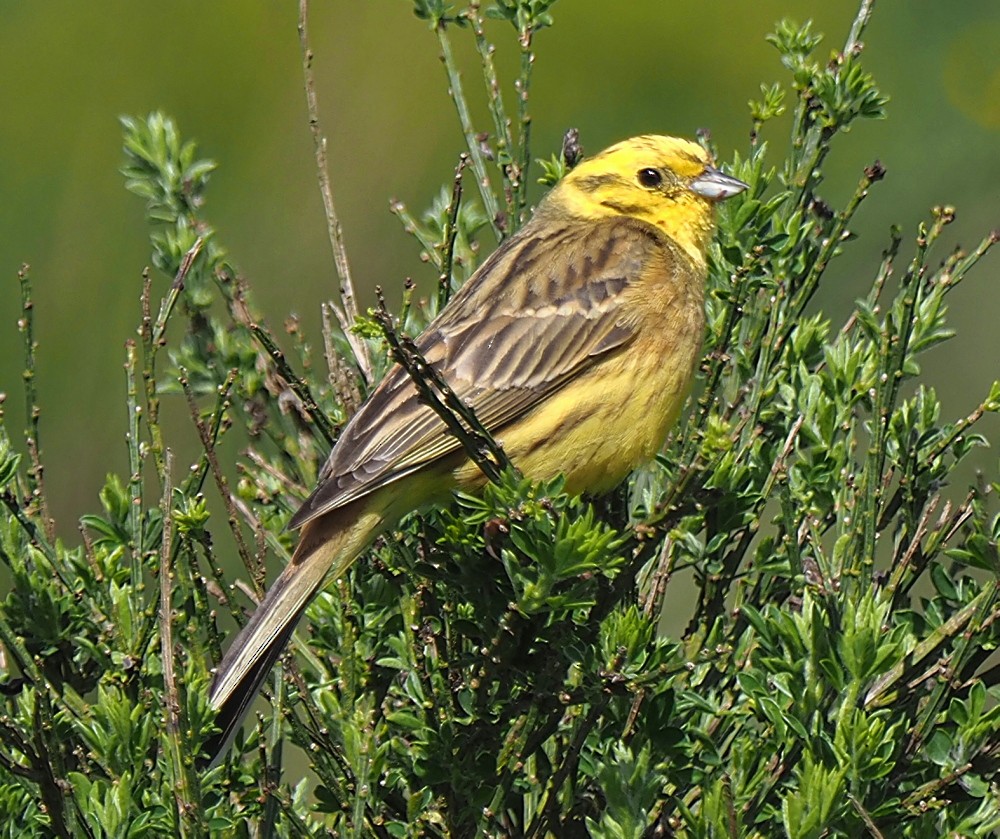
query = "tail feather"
x=234 y=707
x=327 y=546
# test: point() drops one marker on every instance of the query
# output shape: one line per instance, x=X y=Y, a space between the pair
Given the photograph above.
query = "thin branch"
x=167 y=306
x=135 y=510
x=523 y=86
x=173 y=725
x=475 y=438
x=341 y=378
x=471 y=138
x=853 y=43
x=450 y=234
x=866 y=817
x=876 y=696
x=501 y=122
x=296 y=383
x=26 y=324
x=348 y=314
x=232 y=515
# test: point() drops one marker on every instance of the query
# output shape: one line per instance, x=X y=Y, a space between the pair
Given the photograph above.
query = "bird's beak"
x=716 y=186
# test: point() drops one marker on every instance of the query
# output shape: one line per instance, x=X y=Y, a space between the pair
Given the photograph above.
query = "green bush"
x=836 y=676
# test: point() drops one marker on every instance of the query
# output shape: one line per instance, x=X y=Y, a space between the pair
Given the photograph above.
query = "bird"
x=575 y=343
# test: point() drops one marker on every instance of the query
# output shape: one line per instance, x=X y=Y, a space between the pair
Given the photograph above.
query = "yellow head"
x=665 y=181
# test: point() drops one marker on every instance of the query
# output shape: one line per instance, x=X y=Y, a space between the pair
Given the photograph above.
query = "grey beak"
x=716 y=186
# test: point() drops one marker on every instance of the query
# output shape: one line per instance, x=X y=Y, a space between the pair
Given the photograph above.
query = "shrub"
x=834 y=677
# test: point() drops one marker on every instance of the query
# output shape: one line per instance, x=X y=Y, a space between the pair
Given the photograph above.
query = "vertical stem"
x=450 y=235
x=349 y=309
x=152 y=335
x=524 y=121
x=831 y=242
x=134 y=473
x=174 y=724
x=26 y=323
x=253 y=565
x=513 y=176
x=896 y=333
x=475 y=152
x=858 y=26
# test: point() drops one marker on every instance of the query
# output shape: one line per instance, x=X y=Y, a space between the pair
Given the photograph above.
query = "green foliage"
x=498 y=666
x=525 y=15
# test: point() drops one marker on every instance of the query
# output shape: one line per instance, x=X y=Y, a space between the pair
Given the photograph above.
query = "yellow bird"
x=575 y=342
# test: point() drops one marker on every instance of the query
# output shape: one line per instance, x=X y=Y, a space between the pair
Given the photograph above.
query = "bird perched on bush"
x=575 y=343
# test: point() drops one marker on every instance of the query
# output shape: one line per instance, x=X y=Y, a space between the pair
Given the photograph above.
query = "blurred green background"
x=230 y=73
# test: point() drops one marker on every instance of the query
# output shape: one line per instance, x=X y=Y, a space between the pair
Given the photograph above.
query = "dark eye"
x=650 y=177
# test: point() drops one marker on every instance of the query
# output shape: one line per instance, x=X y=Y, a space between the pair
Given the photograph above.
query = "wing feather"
x=541 y=309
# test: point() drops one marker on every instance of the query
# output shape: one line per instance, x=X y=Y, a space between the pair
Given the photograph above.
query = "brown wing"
x=542 y=308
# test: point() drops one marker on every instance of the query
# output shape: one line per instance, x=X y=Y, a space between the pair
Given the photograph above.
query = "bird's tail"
x=327 y=546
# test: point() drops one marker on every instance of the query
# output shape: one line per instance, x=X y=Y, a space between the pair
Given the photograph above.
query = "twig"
x=195 y=482
x=477 y=441
x=946 y=631
x=985 y=614
x=547 y=811
x=299 y=387
x=151 y=335
x=135 y=509
x=416 y=230
x=290 y=487
x=262 y=536
x=232 y=515
x=341 y=378
x=184 y=799
x=902 y=566
x=829 y=247
x=523 y=85
x=38 y=539
x=26 y=324
x=349 y=313
x=38 y=472
x=778 y=466
x=932 y=788
x=897 y=330
x=271 y=758
x=501 y=123
x=652 y=602
x=471 y=139
x=450 y=234
x=176 y=287
x=853 y=43
x=865 y=817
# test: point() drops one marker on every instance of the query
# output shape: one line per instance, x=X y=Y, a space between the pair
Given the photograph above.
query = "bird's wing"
x=542 y=308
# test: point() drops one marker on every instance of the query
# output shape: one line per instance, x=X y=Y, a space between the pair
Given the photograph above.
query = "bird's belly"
x=599 y=427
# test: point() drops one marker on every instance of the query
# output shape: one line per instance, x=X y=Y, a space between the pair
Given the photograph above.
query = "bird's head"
x=665 y=181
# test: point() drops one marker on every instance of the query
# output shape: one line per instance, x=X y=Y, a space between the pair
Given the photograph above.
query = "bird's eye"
x=650 y=177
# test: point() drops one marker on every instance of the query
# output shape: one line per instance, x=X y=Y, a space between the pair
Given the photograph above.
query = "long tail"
x=327 y=546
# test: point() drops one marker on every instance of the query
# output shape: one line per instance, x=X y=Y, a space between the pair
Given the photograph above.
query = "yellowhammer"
x=575 y=343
